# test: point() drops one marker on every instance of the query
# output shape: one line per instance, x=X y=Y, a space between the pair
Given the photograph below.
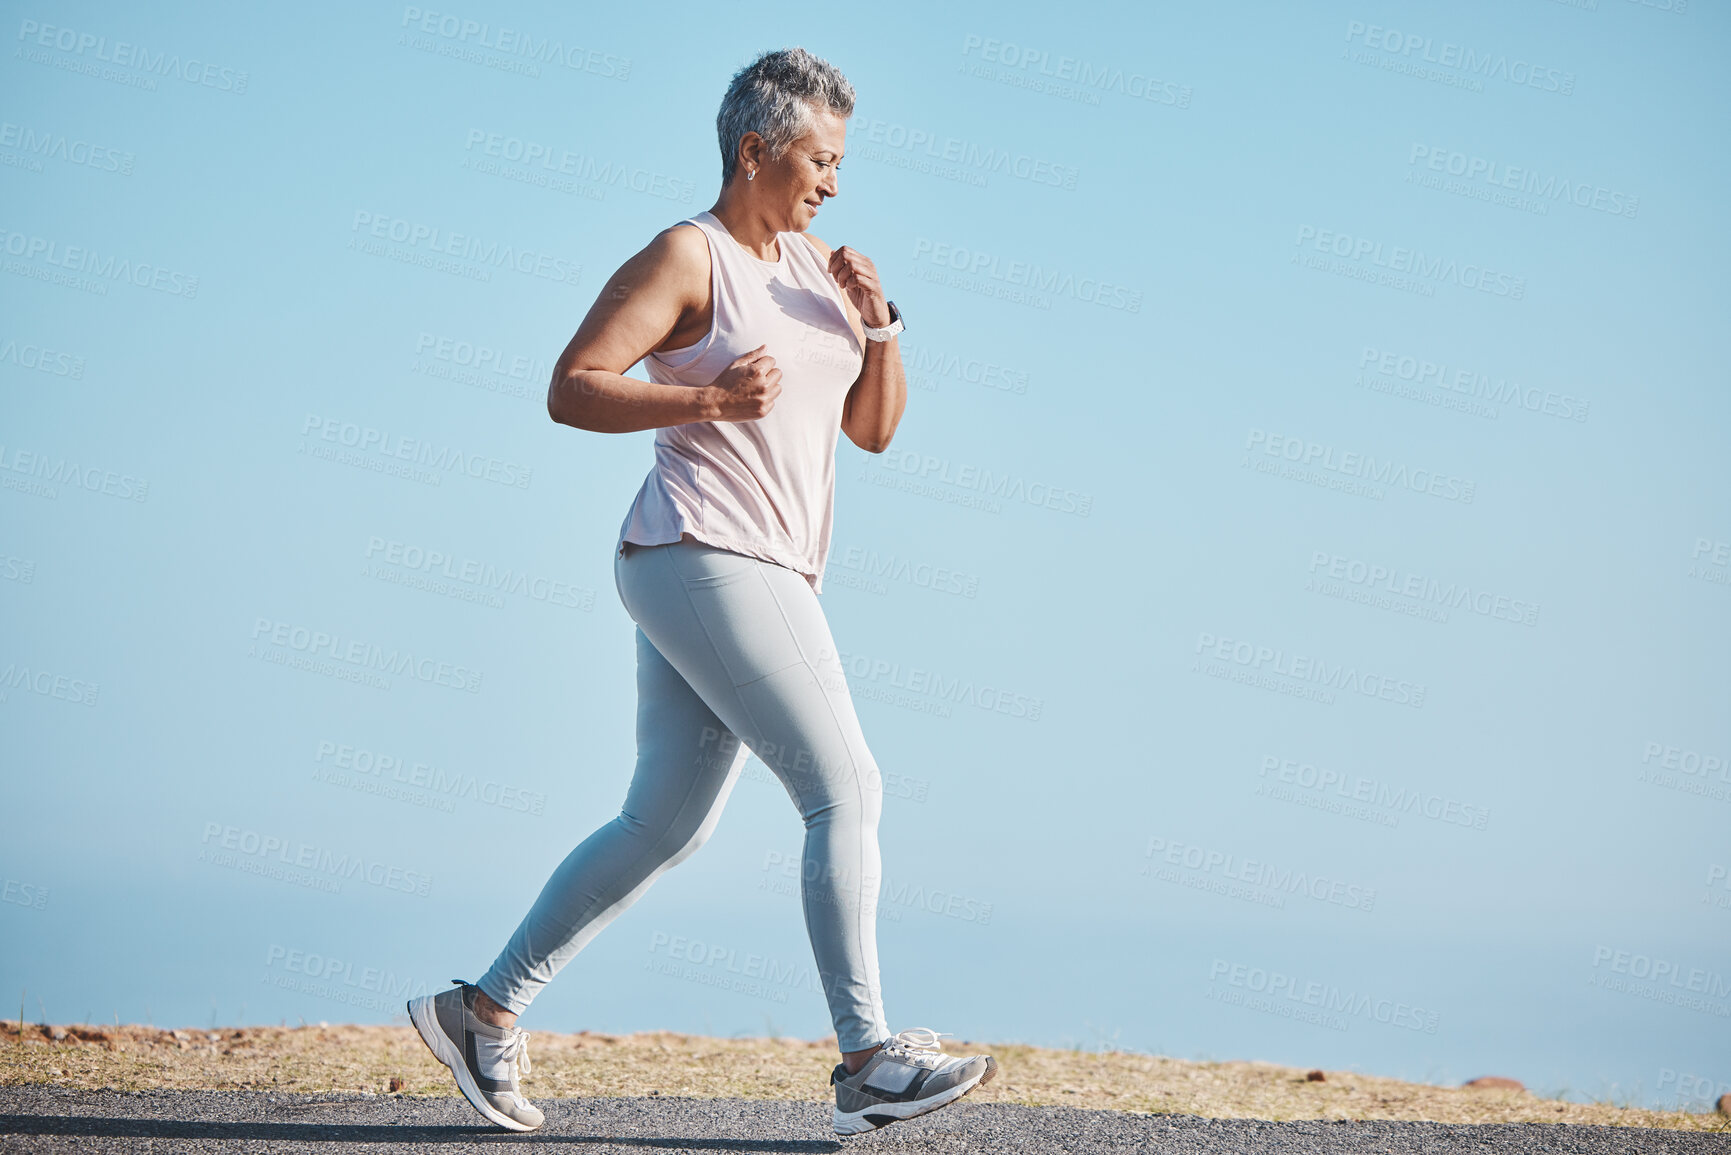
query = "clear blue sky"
x=1293 y=611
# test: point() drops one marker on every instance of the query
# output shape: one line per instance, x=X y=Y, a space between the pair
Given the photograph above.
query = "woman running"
x=719 y=562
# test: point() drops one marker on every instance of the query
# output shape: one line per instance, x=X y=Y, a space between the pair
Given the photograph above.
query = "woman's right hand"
x=747 y=388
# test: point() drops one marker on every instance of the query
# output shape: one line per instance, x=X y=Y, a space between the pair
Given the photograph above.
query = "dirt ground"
x=392 y=1060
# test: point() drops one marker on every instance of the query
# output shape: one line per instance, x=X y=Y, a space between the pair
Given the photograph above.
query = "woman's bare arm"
x=634 y=314
x=875 y=402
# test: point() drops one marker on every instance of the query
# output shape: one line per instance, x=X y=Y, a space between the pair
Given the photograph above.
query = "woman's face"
x=789 y=189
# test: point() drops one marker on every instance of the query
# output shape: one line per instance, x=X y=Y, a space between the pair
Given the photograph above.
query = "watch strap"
x=895 y=326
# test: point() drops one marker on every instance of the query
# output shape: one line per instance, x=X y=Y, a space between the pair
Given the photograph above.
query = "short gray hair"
x=776 y=96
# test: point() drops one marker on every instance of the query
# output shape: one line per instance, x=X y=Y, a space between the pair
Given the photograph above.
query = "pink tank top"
x=763 y=488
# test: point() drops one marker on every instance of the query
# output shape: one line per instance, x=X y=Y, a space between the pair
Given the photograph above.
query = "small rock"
x=213 y=1037
x=396 y=1083
x=1494 y=1082
x=181 y=1035
x=1724 y=1107
x=1316 y=1077
x=58 y=1034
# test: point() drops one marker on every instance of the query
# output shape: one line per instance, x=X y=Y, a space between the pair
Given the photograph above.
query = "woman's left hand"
x=858 y=278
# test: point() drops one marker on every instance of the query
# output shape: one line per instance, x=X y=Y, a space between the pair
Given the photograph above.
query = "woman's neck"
x=746 y=227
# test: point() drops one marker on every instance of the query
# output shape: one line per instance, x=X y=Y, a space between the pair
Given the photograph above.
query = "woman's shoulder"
x=678 y=249
x=684 y=236
x=817 y=243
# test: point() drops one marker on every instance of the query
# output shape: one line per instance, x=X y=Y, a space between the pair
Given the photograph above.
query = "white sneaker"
x=448 y=1025
x=907 y=1076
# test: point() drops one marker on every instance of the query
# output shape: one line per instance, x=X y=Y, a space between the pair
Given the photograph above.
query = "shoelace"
x=916 y=1044
x=516 y=1051
x=516 y=1048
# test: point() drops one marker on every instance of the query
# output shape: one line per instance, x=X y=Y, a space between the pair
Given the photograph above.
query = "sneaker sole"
x=872 y=1118
x=426 y=1021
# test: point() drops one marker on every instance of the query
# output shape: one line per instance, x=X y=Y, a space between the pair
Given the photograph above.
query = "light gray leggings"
x=730 y=650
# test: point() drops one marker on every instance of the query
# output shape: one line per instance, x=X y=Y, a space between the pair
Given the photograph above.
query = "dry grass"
x=383 y=1060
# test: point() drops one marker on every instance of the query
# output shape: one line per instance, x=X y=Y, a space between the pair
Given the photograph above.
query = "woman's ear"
x=751 y=152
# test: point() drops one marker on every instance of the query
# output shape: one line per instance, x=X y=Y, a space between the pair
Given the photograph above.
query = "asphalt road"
x=34 y=1118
